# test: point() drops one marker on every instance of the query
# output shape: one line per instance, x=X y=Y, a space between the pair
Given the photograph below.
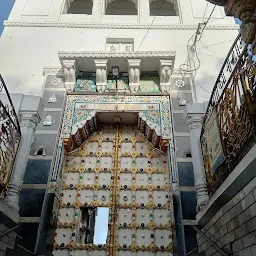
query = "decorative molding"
x=69 y=68
x=52 y=71
x=48 y=121
x=182 y=101
x=52 y=99
x=134 y=74
x=194 y=121
x=29 y=119
x=101 y=74
x=180 y=83
x=165 y=73
x=82 y=54
x=114 y=26
x=56 y=81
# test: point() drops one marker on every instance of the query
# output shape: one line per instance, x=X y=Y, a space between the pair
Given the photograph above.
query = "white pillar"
x=69 y=69
x=28 y=122
x=143 y=11
x=101 y=74
x=134 y=74
x=98 y=10
x=165 y=73
x=193 y=117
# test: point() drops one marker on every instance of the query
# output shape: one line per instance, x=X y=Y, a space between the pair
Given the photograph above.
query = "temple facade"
x=106 y=164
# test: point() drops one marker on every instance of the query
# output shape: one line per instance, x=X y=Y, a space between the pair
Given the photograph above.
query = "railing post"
x=29 y=118
x=193 y=117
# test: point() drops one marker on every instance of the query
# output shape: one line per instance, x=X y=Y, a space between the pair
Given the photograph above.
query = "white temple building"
x=100 y=88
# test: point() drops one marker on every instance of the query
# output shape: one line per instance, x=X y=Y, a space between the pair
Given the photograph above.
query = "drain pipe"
x=210 y=241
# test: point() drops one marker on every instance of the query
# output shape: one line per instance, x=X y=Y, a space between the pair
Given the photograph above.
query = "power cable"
x=193 y=49
x=223 y=42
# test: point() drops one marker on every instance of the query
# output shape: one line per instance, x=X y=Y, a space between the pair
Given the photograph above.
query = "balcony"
x=229 y=127
x=10 y=136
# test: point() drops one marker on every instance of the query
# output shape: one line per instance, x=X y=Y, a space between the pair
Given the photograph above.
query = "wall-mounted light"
x=115 y=72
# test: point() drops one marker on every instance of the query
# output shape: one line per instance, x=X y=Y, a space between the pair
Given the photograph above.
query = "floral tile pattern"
x=149 y=83
x=160 y=116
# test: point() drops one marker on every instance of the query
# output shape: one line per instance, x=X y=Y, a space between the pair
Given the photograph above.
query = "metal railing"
x=9 y=136
x=232 y=106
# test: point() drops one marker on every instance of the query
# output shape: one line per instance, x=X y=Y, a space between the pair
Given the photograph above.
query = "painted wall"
x=26 y=47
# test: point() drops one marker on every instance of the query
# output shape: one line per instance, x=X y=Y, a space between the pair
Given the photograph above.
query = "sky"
x=5 y=8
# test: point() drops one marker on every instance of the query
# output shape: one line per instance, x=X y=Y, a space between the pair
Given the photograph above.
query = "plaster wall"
x=26 y=47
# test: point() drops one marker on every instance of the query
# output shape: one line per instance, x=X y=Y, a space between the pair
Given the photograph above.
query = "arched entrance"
x=116 y=197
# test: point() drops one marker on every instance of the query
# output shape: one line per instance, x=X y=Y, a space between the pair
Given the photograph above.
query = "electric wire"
x=192 y=50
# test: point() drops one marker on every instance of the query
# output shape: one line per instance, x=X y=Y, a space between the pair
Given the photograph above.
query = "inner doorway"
x=116 y=172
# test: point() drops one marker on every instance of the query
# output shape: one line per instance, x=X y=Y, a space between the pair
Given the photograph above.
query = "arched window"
x=163 y=8
x=80 y=7
x=121 y=7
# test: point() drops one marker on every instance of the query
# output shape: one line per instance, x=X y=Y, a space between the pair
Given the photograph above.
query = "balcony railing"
x=9 y=137
x=229 y=127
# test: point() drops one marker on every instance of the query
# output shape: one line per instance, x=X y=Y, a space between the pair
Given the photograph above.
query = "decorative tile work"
x=122 y=85
x=115 y=103
x=86 y=82
x=149 y=83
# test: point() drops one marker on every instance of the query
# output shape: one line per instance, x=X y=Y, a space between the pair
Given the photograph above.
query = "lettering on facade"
x=119 y=47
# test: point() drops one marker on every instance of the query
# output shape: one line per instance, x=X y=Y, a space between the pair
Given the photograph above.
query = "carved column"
x=101 y=74
x=69 y=69
x=134 y=74
x=165 y=73
x=28 y=123
x=193 y=117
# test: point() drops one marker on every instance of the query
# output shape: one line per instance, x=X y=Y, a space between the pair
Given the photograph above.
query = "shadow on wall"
x=19 y=83
x=204 y=82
